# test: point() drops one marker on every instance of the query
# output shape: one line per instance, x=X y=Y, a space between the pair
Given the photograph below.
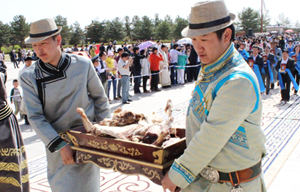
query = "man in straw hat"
x=225 y=143
x=54 y=86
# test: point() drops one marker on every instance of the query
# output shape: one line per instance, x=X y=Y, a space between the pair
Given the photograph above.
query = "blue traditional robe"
x=223 y=126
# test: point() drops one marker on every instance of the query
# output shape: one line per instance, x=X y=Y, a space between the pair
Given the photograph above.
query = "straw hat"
x=207 y=17
x=42 y=29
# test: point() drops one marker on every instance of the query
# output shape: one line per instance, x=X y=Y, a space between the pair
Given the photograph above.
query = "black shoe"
x=120 y=97
x=126 y=102
x=157 y=90
x=129 y=100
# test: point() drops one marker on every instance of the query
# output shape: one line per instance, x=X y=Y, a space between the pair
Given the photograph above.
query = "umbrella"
x=145 y=45
x=185 y=41
x=289 y=31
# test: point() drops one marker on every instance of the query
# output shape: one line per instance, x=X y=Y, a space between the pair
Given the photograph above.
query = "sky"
x=86 y=11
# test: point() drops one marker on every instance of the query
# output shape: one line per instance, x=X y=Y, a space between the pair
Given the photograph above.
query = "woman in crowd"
x=145 y=71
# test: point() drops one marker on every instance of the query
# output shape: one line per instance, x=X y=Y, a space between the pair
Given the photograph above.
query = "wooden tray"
x=128 y=149
x=128 y=166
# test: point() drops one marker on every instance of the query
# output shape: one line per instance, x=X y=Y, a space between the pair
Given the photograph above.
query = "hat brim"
x=187 y=32
x=30 y=40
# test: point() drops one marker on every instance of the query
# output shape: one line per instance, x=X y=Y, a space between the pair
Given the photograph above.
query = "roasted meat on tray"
x=135 y=127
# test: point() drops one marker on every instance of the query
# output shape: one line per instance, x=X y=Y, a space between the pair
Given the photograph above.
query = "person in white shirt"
x=165 y=80
x=173 y=62
x=123 y=67
x=146 y=72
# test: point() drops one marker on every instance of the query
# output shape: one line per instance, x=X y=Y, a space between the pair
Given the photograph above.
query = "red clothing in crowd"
x=154 y=61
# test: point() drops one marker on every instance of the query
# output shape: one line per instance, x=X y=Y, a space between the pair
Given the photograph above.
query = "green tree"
x=128 y=29
x=95 y=31
x=297 y=26
x=156 y=20
x=266 y=20
x=5 y=32
x=163 y=30
x=169 y=19
x=284 y=21
x=77 y=34
x=137 y=27
x=66 y=30
x=114 y=30
x=20 y=29
x=147 y=28
x=249 y=18
x=179 y=25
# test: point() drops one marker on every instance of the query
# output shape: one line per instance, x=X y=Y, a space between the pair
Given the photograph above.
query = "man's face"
x=104 y=56
x=48 y=49
x=267 y=50
x=155 y=51
x=255 y=51
x=125 y=58
x=96 y=63
x=120 y=52
x=209 y=48
x=273 y=45
x=28 y=63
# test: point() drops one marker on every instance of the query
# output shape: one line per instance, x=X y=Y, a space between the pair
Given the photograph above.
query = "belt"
x=237 y=177
x=5 y=112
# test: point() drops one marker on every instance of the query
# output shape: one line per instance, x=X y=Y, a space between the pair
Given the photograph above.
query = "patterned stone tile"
x=280 y=124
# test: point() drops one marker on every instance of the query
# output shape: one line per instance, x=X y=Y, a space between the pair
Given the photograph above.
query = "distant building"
x=275 y=29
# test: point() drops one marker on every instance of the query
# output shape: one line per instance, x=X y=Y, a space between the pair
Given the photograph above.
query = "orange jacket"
x=154 y=61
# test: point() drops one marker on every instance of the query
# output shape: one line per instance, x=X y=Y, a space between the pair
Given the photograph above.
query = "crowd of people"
x=160 y=64
x=179 y=63
x=277 y=59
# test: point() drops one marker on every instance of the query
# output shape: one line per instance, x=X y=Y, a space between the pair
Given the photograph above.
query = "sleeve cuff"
x=56 y=144
x=180 y=176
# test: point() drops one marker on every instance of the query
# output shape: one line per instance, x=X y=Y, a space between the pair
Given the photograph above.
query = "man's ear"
x=58 y=40
x=227 y=35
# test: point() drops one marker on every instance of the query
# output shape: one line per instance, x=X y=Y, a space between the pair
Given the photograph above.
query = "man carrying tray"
x=225 y=143
x=54 y=86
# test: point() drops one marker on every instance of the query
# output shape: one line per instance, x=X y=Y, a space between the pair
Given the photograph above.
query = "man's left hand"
x=167 y=183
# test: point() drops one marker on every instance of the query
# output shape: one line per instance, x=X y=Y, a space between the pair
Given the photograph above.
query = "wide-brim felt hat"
x=207 y=17
x=42 y=29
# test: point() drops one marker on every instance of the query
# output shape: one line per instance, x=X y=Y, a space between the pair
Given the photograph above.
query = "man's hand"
x=167 y=183
x=67 y=155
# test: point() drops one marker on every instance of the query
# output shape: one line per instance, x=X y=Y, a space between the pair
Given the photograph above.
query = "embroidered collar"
x=218 y=64
x=50 y=68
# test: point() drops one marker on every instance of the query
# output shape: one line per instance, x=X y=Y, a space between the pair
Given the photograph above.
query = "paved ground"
x=280 y=124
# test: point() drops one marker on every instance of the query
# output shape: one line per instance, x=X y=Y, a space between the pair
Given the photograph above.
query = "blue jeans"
x=173 y=74
x=114 y=82
x=125 y=88
x=137 y=81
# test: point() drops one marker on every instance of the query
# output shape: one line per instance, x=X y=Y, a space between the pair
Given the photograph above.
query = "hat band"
x=210 y=24
x=43 y=34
